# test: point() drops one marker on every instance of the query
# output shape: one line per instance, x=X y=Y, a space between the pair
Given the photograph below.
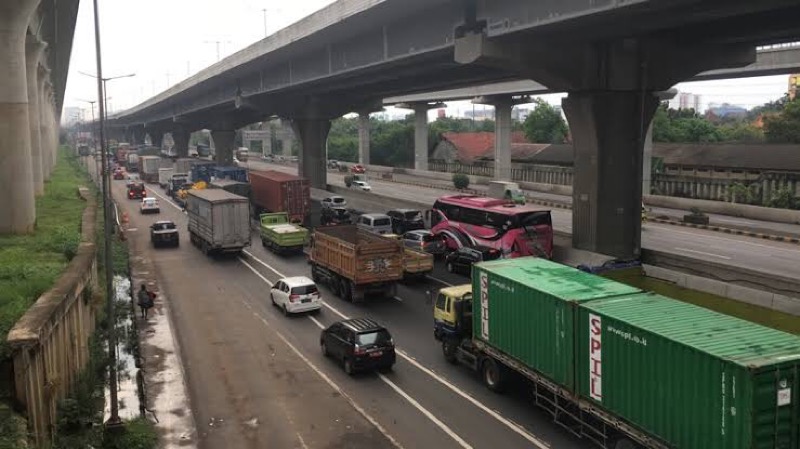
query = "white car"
x=295 y=295
x=149 y=206
x=334 y=201
x=362 y=185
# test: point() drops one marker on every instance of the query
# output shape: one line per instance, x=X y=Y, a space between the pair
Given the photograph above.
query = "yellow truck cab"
x=452 y=313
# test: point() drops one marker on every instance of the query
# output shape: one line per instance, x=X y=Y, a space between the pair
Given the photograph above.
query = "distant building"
x=725 y=110
x=441 y=113
x=469 y=147
x=73 y=115
x=686 y=100
x=480 y=114
x=520 y=114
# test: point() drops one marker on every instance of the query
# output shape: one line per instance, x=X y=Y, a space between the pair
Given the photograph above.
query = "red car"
x=358 y=168
x=119 y=174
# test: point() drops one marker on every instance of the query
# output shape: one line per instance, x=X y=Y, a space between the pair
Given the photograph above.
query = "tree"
x=784 y=127
x=545 y=125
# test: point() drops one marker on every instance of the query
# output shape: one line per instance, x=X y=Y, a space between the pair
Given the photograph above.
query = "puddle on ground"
x=127 y=372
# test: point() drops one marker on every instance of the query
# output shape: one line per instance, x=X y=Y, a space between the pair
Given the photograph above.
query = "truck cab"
x=281 y=236
x=452 y=313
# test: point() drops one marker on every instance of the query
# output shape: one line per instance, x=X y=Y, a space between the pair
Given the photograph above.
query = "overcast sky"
x=164 y=41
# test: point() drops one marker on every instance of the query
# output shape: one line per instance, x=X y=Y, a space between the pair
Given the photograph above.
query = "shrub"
x=460 y=181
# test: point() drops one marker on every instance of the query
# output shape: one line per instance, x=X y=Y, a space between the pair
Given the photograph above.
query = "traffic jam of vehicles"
x=617 y=366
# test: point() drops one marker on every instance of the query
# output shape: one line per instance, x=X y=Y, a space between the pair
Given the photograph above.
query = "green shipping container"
x=694 y=378
x=526 y=308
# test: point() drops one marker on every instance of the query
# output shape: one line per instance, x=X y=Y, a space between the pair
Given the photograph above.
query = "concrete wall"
x=50 y=343
x=723 y=208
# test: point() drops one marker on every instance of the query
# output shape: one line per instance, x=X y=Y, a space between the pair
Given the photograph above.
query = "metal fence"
x=543 y=174
x=50 y=343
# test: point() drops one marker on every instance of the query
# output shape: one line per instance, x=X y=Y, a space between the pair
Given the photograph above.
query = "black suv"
x=404 y=220
x=164 y=233
x=334 y=215
x=360 y=344
x=462 y=259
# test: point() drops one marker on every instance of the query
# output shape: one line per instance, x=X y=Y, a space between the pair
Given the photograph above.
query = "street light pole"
x=265 y=21
x=113 y=419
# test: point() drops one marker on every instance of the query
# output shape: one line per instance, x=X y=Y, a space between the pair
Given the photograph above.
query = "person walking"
x=145 y=300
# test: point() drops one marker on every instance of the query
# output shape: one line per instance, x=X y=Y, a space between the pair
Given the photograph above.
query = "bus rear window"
x=533 y=219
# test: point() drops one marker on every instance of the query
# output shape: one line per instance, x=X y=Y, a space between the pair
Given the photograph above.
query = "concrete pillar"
x=502 y=139
x=17 y=201
x=313 y=135
x=44 y=75
x=647 y=162
x=34 y=50
x=363 y=138
x=421 y=137
x=608 y=131
x=223 y=143
x=181 y=139
x=156 y=138
x=46 y=126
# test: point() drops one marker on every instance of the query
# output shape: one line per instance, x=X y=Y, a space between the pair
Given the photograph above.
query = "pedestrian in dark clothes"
x=145 y=300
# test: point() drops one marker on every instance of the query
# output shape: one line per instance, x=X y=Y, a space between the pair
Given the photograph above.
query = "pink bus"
x=515 y=230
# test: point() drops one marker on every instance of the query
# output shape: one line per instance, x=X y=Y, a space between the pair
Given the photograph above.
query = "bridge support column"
x=34 y=49
x=503 y=105
x=138 y=134
x=181 y=139
x=223 y=144
x=156 y=138
x=363 y=138
x=421 y=137
x=608 y=133
x=647 y=162
x=313 y=135
x=49 y=146
x=17 y=201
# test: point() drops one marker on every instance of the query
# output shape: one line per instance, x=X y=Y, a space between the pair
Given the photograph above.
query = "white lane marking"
x=329 y=381
x=444 y=427
x=440 y=281
x=317 y=322
x=703 y=253
x=251 y=255
x=255 y=272
x=397 y=298
x=168 y=200
x=516 y=428
x=302 y=442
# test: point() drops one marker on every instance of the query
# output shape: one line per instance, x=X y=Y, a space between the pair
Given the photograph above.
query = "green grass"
x=30 y=264
x=756 y=314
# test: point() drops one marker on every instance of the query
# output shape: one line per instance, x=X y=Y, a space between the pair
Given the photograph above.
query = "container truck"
x=281 y=236
x=621 y=367
x=164 y=176
x=232 y=173
x=355 y=263
x=274 y=191
x=184 y=165
x=176 y=182
x=132 y=162
x=148 y=168
x=239 y=188
x=200 y=171
x=219 y=221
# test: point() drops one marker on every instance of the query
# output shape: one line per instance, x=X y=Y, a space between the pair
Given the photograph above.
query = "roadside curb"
x=724 y=230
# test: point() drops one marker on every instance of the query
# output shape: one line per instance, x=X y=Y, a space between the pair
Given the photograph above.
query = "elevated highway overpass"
x=35 y=46
x=610 y=57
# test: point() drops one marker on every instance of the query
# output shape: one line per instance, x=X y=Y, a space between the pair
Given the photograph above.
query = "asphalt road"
x=748 y=252
x=239 y=365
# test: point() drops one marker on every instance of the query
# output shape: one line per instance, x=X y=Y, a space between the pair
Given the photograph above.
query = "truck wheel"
x=347 y=290
x=263 y=243
x=449 y=347
x=315 y=275
x=450 y=267
x=492 y=375
x=335 y=287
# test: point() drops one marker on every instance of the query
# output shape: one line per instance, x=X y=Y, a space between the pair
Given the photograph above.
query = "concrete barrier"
x=724 y=208
x=50 y=343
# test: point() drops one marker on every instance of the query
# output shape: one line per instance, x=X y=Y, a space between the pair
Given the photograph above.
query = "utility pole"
x=217 y=42
x=113 y=420
x=265 y=22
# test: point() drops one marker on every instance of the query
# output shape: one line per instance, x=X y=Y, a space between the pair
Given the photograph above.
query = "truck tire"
x=449 y=348
x=492 y=374
x=315 y=274
x=334 y=285
x=347 y=290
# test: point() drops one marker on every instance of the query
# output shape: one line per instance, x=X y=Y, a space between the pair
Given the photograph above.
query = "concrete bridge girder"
x=611 y=101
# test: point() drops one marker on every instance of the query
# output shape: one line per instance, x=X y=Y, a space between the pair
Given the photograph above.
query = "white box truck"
x=506 y=190
x=219 y=221
x=164 y=176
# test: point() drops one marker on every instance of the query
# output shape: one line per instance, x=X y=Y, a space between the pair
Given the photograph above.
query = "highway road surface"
x=748 y=252
x=257 y=379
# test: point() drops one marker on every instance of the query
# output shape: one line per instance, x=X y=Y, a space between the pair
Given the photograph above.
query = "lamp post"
x=94 y=140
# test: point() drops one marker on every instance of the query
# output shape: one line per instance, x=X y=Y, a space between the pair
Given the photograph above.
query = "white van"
x=376 y=223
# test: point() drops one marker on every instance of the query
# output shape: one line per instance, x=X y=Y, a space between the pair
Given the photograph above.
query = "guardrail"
x=50 y=343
